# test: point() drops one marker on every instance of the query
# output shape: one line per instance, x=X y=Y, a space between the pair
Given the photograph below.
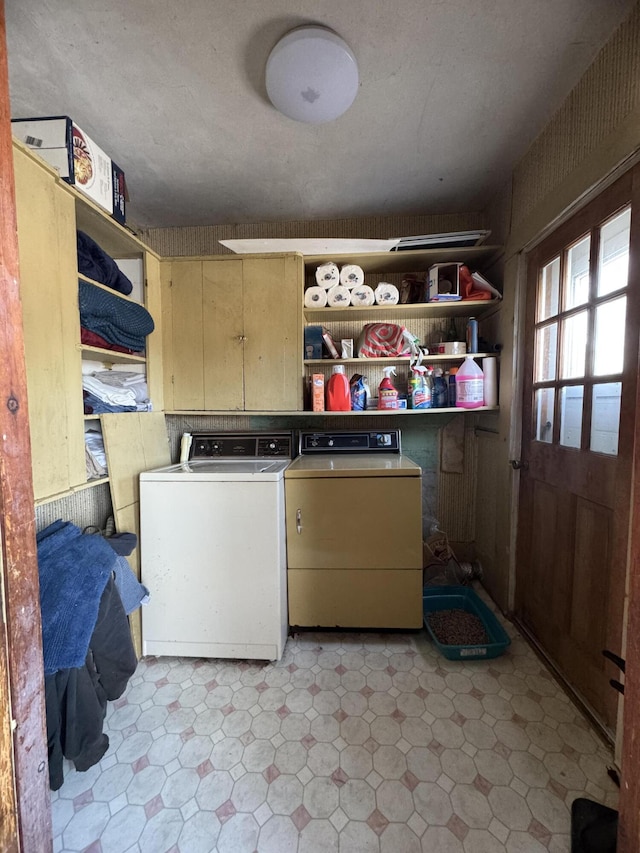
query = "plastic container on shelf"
x=469 y=385
x=338 y=391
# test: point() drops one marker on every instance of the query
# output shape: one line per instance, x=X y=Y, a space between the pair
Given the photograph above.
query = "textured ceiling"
x=451 y=94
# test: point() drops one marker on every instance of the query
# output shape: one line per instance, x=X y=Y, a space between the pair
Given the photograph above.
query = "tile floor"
x=354 y=743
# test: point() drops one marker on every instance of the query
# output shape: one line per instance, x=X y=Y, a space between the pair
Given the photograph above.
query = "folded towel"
x=119 y=321
x=74 y=569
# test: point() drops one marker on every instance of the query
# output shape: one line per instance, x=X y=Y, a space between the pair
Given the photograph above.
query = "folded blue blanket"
x=95 y=263
x=119 y=321
x=74 y=569
x=95 y=406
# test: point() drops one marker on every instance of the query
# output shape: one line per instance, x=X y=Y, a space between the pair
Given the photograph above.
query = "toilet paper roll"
x=351 y=275
x=386 y=294
x=362 y=295
x=315 y=297
x=338 y=296
x=327 y=275
x=490 y=370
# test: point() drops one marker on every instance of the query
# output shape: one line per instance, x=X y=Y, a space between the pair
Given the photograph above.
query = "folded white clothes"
x=108 y=393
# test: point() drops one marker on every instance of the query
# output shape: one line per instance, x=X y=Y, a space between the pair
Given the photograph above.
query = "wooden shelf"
x=109 y=356
x=100 y=481
x=108 y=289
x=403 y=359
x=375 y=412
x=415 y=310
x=413 y=260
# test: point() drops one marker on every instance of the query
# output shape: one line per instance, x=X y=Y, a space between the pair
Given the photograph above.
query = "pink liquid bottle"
x=469 y=385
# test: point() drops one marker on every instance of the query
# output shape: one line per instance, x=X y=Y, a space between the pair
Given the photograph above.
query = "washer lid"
x=220 y=470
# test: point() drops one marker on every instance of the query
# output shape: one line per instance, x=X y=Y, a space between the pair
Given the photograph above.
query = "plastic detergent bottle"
x=387 y=392
x=452 y=385
x=469 y=385
x=440 y=390
x=419 y=388
x=338 y=392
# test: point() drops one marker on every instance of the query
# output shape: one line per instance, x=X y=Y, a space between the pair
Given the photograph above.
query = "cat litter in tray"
x=461 y=625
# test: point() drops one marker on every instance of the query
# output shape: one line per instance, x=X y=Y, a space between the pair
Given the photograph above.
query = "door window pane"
x=609 y=342
x=571 y=399
x=613 y=263
x=549 y=290
x=544 y=414
x=576 y=291
x=605 y=417
x=546 y=346
x=574 y=346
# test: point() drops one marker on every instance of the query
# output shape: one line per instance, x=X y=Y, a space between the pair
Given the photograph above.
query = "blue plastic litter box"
x=464 y=598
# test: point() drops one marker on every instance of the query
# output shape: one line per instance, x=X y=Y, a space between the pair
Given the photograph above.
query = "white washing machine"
x=213 y=549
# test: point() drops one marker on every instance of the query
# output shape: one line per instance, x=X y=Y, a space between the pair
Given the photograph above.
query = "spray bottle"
x=387 y=392
x=419 y=388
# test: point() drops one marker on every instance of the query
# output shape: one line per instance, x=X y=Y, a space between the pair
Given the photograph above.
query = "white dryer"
x=213 y=549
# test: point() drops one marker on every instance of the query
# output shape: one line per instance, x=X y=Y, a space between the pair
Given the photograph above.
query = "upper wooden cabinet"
x=49 y=213
x=49 y=294
x=232 y=333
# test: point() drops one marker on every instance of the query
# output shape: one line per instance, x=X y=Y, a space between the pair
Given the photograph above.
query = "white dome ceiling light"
x=312 y=75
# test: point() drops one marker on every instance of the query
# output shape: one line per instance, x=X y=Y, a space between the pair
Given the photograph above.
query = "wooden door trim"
x=25 y=814
x=629 y=805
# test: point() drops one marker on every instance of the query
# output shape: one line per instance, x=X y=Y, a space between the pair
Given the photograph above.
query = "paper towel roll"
x=327 y=275
x=351 y=275
x=489 y=368
x=338 y=296
x=386 y=294
x=315 y=297
x=362 y=295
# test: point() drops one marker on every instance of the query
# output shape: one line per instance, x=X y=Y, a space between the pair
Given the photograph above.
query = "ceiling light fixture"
x=312 y=75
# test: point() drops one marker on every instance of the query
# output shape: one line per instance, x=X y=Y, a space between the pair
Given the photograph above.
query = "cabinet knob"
x=242 y=338
x=299 y=520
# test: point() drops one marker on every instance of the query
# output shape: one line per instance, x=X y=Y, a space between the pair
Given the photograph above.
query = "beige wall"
x=594 y=135
x=203 y=240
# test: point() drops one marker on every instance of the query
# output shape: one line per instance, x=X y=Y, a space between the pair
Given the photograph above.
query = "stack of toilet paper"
x=338 y=288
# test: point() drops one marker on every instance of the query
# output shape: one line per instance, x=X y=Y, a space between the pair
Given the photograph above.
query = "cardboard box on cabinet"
x=59 y=141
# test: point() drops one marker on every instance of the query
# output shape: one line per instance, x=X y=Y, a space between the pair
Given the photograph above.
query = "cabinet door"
x=202 y=334
x=49 y=293
x=273 y=333
x=222 y=334
x=354 y=523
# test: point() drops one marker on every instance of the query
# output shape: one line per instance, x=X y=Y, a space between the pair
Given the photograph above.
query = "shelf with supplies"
x=407 y=310
x=415 y=260
x=402 y=359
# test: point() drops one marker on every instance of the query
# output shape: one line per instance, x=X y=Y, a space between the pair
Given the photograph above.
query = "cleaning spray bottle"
x=440 y=390
x=387 y=392
x=338 y=391
x=419 y=388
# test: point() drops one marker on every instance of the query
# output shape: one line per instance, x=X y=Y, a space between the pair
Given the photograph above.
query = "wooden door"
x=272 y=312
x=578 y=413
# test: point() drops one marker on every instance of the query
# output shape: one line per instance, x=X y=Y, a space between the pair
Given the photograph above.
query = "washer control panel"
x=232 y=445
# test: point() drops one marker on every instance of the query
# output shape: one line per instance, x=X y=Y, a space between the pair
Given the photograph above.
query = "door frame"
x=25 y=811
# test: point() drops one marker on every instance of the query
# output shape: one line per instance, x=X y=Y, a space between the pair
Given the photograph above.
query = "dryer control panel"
x=352 y=441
